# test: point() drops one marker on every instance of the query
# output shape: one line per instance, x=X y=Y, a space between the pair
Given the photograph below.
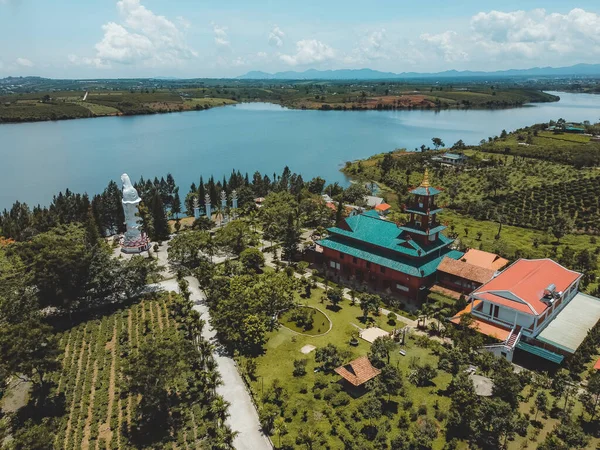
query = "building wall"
x=359 y=270
x=457 y=284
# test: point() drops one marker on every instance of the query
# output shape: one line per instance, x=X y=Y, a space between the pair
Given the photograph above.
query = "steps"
x=514 y=337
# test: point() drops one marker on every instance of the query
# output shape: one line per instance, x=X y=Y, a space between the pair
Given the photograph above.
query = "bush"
x=391 y=318
x=300 y=367
x=340 y=399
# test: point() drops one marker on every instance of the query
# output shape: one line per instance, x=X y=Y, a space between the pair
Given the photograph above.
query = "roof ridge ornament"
x=425 y=182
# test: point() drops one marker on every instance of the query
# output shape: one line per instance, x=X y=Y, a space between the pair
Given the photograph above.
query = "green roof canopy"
x=421 y=267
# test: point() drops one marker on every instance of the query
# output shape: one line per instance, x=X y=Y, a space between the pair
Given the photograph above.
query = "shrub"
x=340 y=399
x=300 y=367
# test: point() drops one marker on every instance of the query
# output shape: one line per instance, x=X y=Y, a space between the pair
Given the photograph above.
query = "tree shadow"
x=334 y=308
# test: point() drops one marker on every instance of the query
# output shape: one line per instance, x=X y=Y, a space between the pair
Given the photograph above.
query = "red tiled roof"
x=358 y=372
x=521 y=286
x=465 y=270
x=597 y=365
x=383 y=207
x=484 y=259
x=331 y=205
x=483 y=326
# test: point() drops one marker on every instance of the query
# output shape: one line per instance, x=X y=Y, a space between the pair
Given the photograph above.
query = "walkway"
x=243 y=418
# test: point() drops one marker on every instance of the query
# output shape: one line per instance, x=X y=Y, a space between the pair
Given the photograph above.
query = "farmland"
x=100 y=411
x=63 y=99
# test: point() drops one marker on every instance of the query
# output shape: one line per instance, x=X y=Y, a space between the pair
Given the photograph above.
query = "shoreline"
x=313 y=107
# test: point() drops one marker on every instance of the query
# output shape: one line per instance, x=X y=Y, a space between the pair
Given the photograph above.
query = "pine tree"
x=291 y=238
x=176 y=207
x=159 y=218
x=201 y=191
x=339 y=214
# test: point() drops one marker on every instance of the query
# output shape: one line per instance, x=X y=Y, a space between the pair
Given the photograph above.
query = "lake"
x=40 y=159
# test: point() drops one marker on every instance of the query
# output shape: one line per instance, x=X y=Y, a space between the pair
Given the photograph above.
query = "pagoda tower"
x=423 y=225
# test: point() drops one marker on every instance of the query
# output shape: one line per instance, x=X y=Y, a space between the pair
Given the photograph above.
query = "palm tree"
x=218 y=408
x=280 y=428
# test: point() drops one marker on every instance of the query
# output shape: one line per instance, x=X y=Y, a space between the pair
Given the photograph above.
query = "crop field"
x=98 y=410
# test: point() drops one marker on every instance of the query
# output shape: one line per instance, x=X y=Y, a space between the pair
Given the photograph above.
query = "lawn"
x=305 y=404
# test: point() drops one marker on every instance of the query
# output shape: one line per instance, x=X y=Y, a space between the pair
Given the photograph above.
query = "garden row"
x=539 y=207
x=98 y=409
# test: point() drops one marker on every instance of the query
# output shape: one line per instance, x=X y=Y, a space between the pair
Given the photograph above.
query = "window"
x=382 y=269
x=418 y=223
x=355 y=260
x=368 y=265
x=334 y=265
x=401 y=287
x=420 y=204
x=341 y=255
x=432 y=237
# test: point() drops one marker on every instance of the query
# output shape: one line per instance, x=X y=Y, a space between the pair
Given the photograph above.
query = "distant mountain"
x=369 y=74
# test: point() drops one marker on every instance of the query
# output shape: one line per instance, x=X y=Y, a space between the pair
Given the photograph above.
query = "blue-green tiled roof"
x=371 y=229
x=541 y=352
x=428 y=191
x=372 y=213
x=423 y=233
x=419 y=268
x=423 y=213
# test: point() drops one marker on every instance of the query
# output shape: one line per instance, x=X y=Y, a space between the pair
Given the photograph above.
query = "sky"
x=227 y=38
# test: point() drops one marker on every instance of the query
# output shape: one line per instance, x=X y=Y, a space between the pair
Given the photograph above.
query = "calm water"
x=41 y=159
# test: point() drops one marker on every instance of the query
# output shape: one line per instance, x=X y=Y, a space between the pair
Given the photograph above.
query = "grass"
x=98 y=110
x=320 y=323
x=283 y=347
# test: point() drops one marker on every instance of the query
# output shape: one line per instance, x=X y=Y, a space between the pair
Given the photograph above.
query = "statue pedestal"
x=137 y=246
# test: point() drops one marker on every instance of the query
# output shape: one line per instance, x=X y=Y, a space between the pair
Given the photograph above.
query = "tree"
x=328 y=357
x=462 y=407
x=335 y=296
x=562 y=225
x=541 y=403
x=355 y=194
x=280 y=428
x=507 y=384
x=496 y=180
x=161 y=230
x=187 y=250
x=309 y=436
x=391 y=380
x=371 y=409
x=437 y=142
x=267 y=415
x=29 y=349
x=422 y=375
x=494 y=423
x=369 y=303
x=176 y=206
x=235 y=237
x=591 y=397
x=291 y=238
x=380 y=351
x=252 y=259
x=300 y=367
x=339 y=213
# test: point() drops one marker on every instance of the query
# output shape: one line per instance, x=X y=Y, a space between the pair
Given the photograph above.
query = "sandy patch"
x=370 y=334
x=307 y=349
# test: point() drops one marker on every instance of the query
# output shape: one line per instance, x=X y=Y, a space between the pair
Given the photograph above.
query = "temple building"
x=533 y=306
x=367 y=250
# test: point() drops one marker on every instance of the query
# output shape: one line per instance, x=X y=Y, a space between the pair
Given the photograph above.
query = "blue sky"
x=201 y=38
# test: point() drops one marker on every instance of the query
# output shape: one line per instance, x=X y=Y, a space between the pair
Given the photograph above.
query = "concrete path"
x=243 y=416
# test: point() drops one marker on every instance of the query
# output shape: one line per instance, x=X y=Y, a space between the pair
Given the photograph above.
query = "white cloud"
x=261 y=55
x=276 y=37
x=309 y=51
x=24 y=62
x=536 y=33
x=445 y=44
x=221 y=38
x=141 y=37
